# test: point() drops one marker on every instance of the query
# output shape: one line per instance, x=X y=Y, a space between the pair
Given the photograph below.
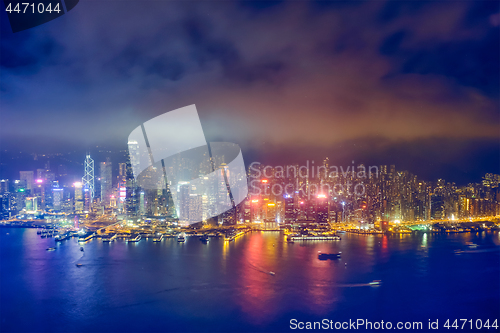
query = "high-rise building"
x=183 y=199
x=78 y=197
x=106 y=182
x=290 y=213
x=321 y=209
x=4 y=186
x=132 y=195
x=88 y=176
x=28 y=178
x=122 y=172
x=57 y=197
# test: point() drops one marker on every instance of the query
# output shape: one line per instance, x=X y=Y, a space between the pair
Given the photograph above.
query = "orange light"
x=264 y=180
x=271 y=204
x=320 y=196
x=255 y=200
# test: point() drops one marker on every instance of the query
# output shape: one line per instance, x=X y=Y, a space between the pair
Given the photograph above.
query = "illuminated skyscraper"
x=78 y=197
x=183 y=195
x=4 y=186
x=322 y=209
x=122 y=172
x=106 y=182
x=134 y=154
x=88 y=178
x=132 y=195
x=27 y=177
x=57 y=194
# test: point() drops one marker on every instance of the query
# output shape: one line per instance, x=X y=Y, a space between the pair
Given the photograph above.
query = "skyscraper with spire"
x=88 y=177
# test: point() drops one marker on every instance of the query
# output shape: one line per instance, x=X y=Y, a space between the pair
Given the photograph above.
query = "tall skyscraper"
x=106 y=181
x=4 y=186
x=122 y=172
x=290 y=213
x=78 y=197
x=132 y=194
x=133 y=148
x=88 y=177
x=27 y=177
x=57 y=195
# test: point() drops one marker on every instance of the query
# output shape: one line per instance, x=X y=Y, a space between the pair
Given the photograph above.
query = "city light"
x=39 y=181
x=77 y=184
x=264 y=180
x=321 y=196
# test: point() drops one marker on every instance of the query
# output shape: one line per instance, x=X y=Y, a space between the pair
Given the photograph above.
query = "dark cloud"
x=266 y=75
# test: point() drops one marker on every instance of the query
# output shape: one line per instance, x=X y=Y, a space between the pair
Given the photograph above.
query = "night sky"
x=411 y=83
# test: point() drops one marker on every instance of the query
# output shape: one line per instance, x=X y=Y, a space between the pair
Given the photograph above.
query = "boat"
x=471 y=245
x=181 y=238
x=290 y=240
x=326 y=256
x=375 y=282
x=51 y=249
x=43 y=236
x=272 y=273
x=79 y=265
x=39 y=232
x=81 y=248
x=204 y=238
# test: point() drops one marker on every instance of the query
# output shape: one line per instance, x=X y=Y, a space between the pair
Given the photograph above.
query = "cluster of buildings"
x=278 y=196
x=362 y=195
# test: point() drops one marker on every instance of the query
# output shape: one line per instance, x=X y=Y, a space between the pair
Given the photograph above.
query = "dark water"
x=170 y=287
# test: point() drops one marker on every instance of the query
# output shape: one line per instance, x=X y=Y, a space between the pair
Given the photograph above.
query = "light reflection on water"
x=227 y=284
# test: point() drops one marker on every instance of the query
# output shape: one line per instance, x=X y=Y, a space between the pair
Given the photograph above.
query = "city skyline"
x=361 y=194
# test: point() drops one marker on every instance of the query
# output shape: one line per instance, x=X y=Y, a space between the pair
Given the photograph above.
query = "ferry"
x=51 y=249
x=314 y=237
x=86 y=237
x=272 y=273
x=79 y=265
x=39 y=232
x=471 y=245
x=326 y=256
x=158 y=239
x=108 y=238
x=134 y=238
x=181 y=238
x=375 y=283
x=204 y=238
